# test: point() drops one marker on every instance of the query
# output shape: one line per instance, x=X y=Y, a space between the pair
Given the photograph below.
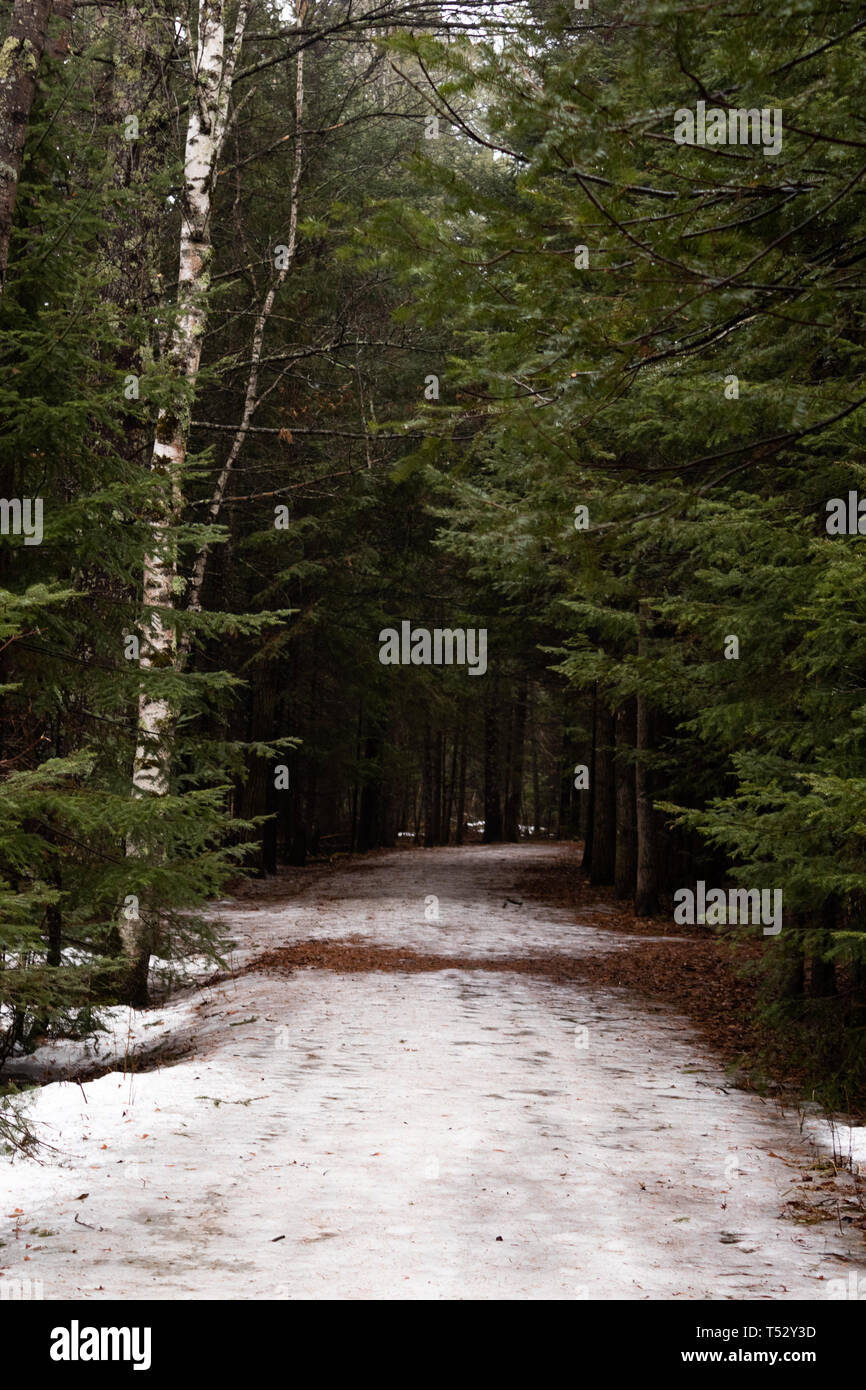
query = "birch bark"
x=213 y=67
x=251 y=398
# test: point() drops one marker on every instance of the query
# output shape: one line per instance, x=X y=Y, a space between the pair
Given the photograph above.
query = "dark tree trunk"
x=492 y=774
x=427 y=788
x=354 y=838
x=461 y=788
x=536 y=782
x=438 y=760
x=54 y=933
x=604 y=808
x=449 y=805
x=311 y=788
x=589 y=794
x=822 y=978
x=515 y=789
x=625 y=868
x=792 y=981
x=135 y=991
x=369 y=814
x=646 y=895
x=297 y=852
x=403 y=818
x=570 y=799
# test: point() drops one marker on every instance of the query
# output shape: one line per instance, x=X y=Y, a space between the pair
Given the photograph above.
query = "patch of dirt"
x=826 y=1192
x=701 y=982
x=292 y=882
x=560 y=883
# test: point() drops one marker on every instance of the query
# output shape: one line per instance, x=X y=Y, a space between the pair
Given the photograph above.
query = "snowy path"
x=444 y=1134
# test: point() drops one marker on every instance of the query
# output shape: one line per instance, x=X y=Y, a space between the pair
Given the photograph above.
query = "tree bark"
x=492 y=774
x=515 y=790
x=370 y=814
x=604 y=808
x=213 y=71
x=252 y=400
x=536 y=783
x=461 y=786
x=436 y=799
x=588 y=798
x=427 y=788
x=625 y=868
x=449 y=804
x=214 y=62
x=646 y=895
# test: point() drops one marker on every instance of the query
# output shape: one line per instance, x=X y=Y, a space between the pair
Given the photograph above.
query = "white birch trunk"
x=251 y=399
x=213 y=69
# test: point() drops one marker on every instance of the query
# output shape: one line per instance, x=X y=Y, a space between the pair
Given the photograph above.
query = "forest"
x=432 y=423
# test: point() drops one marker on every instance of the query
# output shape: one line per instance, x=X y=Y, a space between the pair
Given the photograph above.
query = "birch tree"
x=214 y=55
x=252 y=400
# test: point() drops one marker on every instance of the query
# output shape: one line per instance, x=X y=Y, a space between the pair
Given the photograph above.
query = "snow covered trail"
x=451 y=1133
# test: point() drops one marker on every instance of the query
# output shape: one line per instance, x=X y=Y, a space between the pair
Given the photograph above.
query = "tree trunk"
x=604 y=807
x=252 y=400
x=54 y=934
x=536 y=782
x=208 y=113
x=625 y=868
x=588 y=797
x=792 y=973
x=427 y=788
x=213 y=71
x=436 y=797
x=449 y=805
x=461 y=788
x=492 y=774
x=354 y=831
x=515 y=790
x=369 y=820
x=646 y=896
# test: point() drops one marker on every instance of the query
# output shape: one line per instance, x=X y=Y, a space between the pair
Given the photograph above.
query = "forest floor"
x=522 y=1097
